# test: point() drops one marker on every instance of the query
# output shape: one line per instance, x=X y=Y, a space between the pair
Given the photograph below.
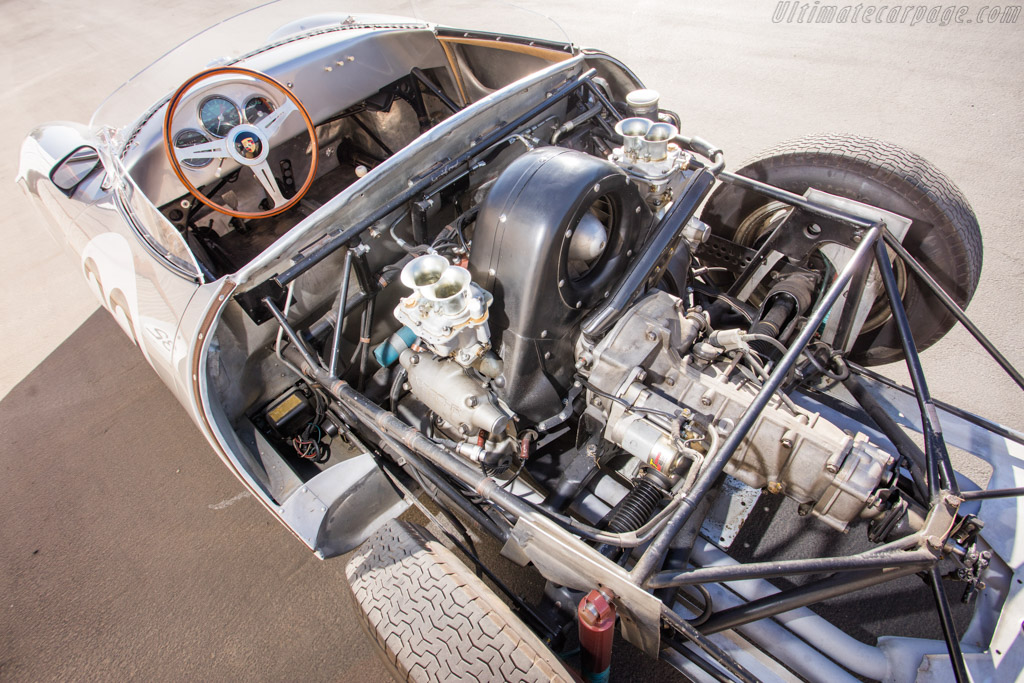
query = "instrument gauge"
x=219 y=115
x=188 y=138
x=256 y=107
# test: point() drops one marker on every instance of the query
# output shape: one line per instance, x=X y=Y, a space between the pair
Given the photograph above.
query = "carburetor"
x=446 y=310
x=648 y=153
x=448 y=314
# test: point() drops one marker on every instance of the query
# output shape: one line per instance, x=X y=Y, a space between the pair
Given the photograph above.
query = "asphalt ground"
x=128 y=553
x=126 y=548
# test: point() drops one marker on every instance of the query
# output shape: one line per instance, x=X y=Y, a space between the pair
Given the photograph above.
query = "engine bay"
x=477 y=339
x=480 y=313
x=542 y=330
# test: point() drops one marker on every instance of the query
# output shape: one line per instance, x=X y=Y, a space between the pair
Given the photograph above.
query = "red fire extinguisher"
x=596 y=616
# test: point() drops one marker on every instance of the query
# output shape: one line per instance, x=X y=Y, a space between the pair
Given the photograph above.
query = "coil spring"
x=636 y=507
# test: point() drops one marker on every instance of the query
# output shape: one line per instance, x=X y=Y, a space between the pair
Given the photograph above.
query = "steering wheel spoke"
x=215 y=149
x=273 y=121
x=269 y=183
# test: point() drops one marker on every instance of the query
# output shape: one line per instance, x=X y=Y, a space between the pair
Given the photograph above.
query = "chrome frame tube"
x=935 y=454
x=346 y=275
x=953 y=307
x=655 y=553
x=767 y=570
x=802 y=596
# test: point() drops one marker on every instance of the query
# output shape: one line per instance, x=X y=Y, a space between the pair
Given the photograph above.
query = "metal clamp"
x=565 y=413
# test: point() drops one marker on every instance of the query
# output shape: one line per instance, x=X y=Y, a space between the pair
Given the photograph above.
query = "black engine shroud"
x=521 y=255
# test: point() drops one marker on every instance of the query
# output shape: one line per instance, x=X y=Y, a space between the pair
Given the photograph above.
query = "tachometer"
x=256 y=107
x=219 y=115
x=188 y=138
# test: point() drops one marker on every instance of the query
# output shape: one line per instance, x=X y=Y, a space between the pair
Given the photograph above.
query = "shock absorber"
x=789 y=297
x=596 y=617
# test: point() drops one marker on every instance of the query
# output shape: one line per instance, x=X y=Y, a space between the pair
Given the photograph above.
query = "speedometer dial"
x=219 y=115
x=256 y=107
x=188 y=138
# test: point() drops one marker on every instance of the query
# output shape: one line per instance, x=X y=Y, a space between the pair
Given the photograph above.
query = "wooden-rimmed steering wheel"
x=248 y=144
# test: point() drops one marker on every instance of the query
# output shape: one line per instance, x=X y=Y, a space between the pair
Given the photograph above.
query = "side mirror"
x=73 y=169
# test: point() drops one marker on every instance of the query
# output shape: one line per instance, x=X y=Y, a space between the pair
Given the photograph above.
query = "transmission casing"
x=645 y=363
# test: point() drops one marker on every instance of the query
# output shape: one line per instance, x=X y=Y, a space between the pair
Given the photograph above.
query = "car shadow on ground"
x=126 y=549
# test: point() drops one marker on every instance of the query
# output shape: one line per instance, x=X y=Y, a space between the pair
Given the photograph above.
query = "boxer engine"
x=666 y=393
x=498 y=355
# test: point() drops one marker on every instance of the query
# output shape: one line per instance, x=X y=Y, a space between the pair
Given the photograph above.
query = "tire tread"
x=434 y=619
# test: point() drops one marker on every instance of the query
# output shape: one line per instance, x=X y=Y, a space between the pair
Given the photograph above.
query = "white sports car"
x=383 y=262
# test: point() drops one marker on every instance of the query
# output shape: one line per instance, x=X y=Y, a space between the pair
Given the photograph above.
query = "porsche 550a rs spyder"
x=384 y=263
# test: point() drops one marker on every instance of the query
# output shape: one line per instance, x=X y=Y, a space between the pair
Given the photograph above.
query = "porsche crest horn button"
x=248 y=145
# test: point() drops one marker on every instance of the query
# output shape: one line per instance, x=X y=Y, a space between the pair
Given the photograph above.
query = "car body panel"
x=41 y=151
x=144 y=295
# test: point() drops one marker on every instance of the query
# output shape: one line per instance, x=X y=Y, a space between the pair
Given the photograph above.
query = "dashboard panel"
x=328 y=73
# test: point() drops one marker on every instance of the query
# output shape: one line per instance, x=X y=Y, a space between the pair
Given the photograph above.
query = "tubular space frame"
x=850 y=573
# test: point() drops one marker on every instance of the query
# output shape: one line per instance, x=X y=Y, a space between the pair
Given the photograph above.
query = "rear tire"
x=435 y=620
x=944 y=237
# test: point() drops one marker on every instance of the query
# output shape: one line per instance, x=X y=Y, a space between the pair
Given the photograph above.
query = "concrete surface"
x=120 y=554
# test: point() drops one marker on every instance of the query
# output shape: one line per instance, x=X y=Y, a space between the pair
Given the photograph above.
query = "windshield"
x=288 y=20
